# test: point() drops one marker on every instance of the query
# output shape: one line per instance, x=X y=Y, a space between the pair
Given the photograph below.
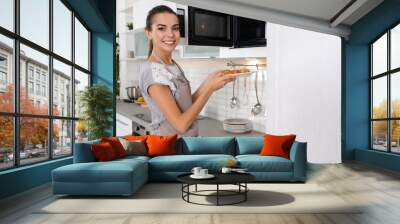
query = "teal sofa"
x=125 y=176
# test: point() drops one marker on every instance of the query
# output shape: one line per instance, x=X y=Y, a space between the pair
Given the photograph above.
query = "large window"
x=81 y=45
x=44 y=64
x=7 y=14
x=385 y=91
x=34 y=22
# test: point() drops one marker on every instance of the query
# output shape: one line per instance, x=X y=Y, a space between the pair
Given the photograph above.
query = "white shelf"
x=128 y=32
x=128 y=10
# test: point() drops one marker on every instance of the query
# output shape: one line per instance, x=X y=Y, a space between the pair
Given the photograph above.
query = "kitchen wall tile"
x=218 y=106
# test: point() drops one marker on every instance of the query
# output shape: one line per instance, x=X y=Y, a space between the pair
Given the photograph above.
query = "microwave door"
x=209 y=28
x=249 y=32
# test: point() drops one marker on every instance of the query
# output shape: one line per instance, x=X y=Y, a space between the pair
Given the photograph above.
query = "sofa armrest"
x=298 y=155
x=83 y=152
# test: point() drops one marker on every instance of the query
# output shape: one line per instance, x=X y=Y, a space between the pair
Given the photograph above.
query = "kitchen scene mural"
x=236 y=109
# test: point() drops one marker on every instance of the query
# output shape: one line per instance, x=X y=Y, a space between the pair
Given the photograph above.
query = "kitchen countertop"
x=129 y=110
x=207 y=126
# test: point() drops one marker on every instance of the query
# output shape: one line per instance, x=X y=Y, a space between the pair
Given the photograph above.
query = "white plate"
x=244 y=74
x=236 y=121
x=208 y=176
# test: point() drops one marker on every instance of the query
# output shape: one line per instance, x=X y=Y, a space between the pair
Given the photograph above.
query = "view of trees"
x=380 y=127
x=33 y=131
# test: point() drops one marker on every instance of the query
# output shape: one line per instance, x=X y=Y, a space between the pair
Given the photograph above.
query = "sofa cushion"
x=159 y=145
x=103 y=152
x=206 y=145
x=249 y=145
x=111 y=171
x=185 y=163
x=277 y=145
x=83 y=152
x=257 y=163
x=134 y=147
x=116 y=145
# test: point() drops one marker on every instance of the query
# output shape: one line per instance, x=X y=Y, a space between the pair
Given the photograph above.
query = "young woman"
x=162 y=81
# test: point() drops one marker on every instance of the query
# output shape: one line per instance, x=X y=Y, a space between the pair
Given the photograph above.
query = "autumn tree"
x=33 y=131
x=380 y=127
x=6 y=122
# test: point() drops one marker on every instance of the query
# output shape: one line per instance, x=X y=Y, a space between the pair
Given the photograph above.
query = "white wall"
x=142 y=7
x=304 y=89
x=129 y=76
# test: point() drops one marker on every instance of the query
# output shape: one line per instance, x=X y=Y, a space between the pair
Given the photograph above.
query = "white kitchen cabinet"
x=192 y=51
x=251 y=52
x=141 y=43
x=124 y=125
x=127 y=43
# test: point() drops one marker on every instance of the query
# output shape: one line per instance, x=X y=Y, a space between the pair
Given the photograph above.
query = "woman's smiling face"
x=164 y=32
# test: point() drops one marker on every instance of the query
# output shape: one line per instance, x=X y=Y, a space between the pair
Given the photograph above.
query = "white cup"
x=226 y=170
x=203 y=172
x=196 y=170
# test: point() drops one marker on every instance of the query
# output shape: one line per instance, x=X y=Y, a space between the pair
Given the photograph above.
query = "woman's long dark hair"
x=149 y=20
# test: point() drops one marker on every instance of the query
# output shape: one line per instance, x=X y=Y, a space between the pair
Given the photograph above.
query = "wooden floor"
x=378 y=188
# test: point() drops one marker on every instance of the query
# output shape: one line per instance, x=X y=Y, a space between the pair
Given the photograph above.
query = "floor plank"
x=376 y=189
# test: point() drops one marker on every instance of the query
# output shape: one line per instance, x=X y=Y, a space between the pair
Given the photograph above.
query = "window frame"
x=16 y=114
x=5 y=59
x=3 y=74
x=3 y=70
x=388 y=74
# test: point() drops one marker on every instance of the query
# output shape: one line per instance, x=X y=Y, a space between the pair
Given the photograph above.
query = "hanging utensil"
x=244 y=88
x=257 y=108
x=234 y=100
x=262 y=86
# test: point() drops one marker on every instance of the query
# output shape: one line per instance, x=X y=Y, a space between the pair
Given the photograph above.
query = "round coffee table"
x=238 y=179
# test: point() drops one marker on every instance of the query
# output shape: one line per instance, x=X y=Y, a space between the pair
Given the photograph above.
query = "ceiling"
x=319 y=9
x=327 y=16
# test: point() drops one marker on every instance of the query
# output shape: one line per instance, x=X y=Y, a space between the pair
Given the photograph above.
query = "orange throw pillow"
x=277 y=145
x=103 y=151
x=161 y=145
x=136 y=137
x=116 y=145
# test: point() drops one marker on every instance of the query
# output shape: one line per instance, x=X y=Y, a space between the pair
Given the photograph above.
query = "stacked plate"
x=237 y=125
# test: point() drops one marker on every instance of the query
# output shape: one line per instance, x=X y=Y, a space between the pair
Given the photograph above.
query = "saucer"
x=240 y=171
x=208 y=176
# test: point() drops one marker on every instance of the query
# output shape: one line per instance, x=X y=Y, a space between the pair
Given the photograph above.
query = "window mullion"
x=389 y=105
x=73 y=82
x=16 y=84
x=371 y=140
x=50 y=81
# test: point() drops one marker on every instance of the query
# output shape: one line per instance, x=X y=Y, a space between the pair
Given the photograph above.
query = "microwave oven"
x=208 y=28
x=248 y=32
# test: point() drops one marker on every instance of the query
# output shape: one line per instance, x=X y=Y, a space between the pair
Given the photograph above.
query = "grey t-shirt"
x=171 y=76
